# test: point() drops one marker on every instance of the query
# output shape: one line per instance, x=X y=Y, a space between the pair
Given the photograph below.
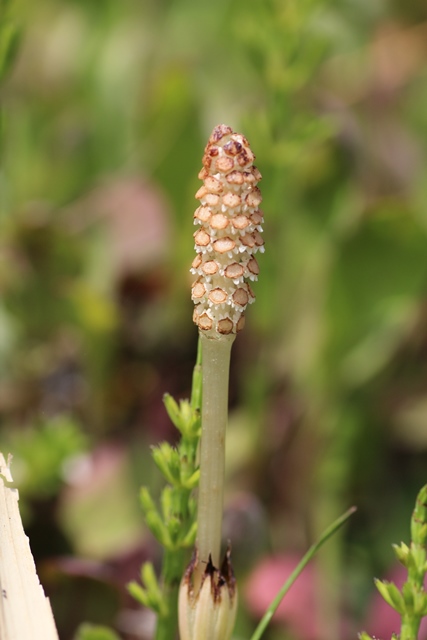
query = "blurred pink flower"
x=297 y=609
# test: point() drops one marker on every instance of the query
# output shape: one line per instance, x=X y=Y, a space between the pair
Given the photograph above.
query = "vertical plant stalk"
x=411 y=600
x=215 y=372
x=229 y=235
x=173 y=521
x=173 y=563
x=174 y=560
x=413 y=592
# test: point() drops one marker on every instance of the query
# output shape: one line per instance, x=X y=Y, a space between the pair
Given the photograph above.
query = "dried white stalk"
x=25 y=612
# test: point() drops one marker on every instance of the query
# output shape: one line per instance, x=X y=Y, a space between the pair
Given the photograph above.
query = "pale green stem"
x=417 y=570
x=215 y=373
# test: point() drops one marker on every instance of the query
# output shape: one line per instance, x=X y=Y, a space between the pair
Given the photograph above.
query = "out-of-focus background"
x=105 y=113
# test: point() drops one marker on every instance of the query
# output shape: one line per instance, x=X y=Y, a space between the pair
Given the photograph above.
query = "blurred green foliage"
x=41 y=452
x=93 y=632
x=106 y=108
x=9 y=38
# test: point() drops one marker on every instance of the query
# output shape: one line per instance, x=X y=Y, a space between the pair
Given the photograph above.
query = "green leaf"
x=402 y=552
x=420 y=602
x=419 y=519
x=149 y=578
x=184 y=416
x=153 y=518
x=187 y=413
x=391 y=595
x=190 y=537
x=174 y=529
x=9 y=42
x=155 y=597
x=418 y=554
x=173 y=411
x=95 y=632
x=192 y=481
x=158 y=528
x=139 y=593
x=167 y=460
x=149 y=595
x=167 y=503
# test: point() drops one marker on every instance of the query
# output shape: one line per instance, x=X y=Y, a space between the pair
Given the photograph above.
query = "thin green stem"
x=410 y=627
x=173 y=565
x=175 y=558
x=410 y=623
x=417 y=568
x=298 y=569
x=215 y=372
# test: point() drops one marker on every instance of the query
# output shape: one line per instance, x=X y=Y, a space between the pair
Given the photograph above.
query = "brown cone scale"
x=229 y=233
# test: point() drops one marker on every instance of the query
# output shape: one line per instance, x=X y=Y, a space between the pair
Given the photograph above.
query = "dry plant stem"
x=215 y=372
x=25 y=612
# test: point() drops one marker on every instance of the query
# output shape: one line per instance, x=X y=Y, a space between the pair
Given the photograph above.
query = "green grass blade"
x=337 y=524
